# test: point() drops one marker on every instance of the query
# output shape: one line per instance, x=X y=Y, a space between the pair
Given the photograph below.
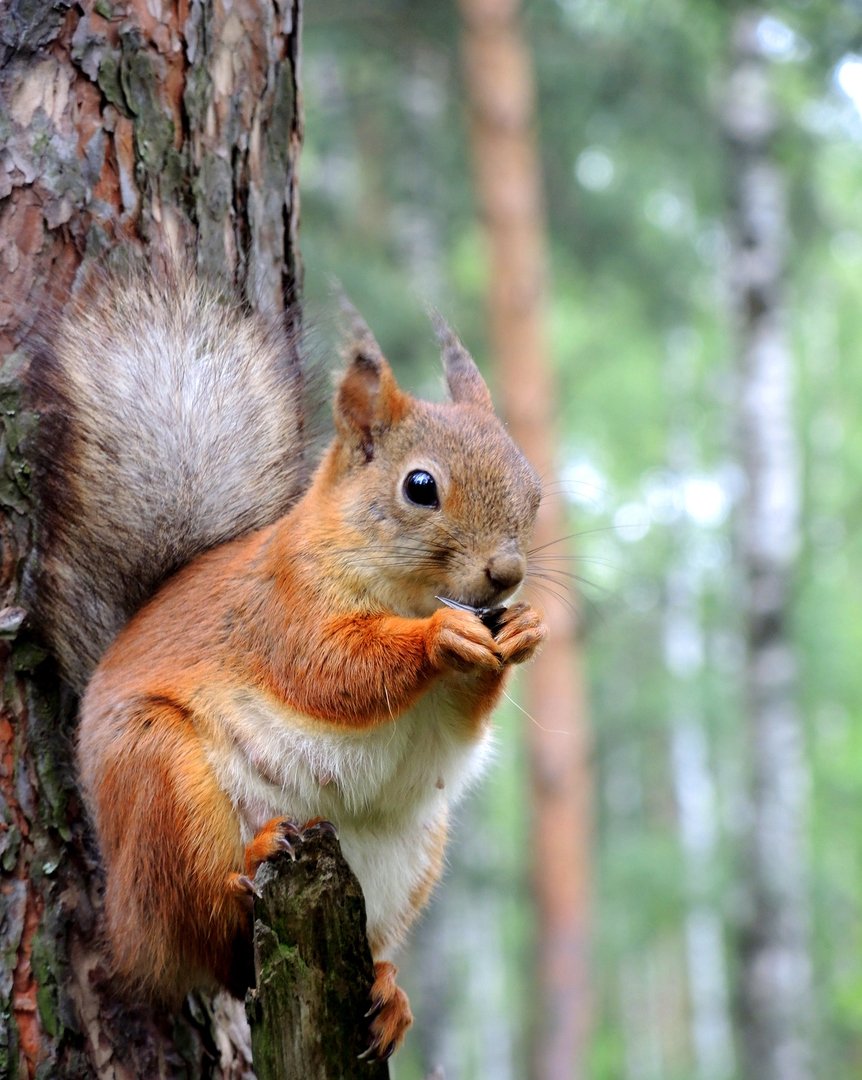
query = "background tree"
x=775 y=961
x=637 y=172
x=126 y=129
x=499 y=80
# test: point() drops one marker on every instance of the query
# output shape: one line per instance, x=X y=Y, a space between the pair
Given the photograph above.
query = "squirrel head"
x=424 y=499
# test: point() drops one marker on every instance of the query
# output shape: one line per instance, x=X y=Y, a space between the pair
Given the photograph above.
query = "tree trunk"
x=694 y=787
x=775 y=963
x=500 y=90
x=693 y=773
x=125 y=128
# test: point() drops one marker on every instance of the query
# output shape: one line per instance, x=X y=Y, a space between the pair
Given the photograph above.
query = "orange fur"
x=437 y=834
x=170 y=843
x=391 y=1012
x=323 y=626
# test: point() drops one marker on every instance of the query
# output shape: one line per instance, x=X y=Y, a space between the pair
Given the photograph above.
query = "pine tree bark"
x=775 y=993
x=499 y=79
x=126 y=129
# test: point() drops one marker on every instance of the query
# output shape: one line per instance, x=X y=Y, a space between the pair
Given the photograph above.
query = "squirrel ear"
x=368 y=401
x=466 y=385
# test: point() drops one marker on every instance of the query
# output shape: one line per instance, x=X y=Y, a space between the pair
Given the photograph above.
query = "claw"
x=374 y=1056
x=321 y=827
x=375 y=1009
x=285 y=845
x=243 y=888
x=248 y=885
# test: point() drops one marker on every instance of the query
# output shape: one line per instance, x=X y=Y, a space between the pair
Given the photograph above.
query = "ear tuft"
x=368 y=401
x=355 y=331
x=466 y=385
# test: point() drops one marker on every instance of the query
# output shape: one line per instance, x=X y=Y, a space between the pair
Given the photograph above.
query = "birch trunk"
x=775 y=965
x=685 y=648
x=500 y=90
x=698 y=826
x=130 y=127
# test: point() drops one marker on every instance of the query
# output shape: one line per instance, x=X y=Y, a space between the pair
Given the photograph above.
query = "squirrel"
x=260 y=649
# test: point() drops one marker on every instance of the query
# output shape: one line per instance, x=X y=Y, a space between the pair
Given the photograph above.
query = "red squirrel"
x=257 y=651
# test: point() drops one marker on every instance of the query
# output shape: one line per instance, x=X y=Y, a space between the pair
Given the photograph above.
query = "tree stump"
x=313 y=969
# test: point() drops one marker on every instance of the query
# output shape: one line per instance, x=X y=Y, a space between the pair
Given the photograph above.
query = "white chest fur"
x=383 y=788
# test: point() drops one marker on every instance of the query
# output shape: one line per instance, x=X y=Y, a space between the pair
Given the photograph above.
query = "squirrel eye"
x=420 y=488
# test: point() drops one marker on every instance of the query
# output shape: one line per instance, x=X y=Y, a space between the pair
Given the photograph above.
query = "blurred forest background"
x=701 y=166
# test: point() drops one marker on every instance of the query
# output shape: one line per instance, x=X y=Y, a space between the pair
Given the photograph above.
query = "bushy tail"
x=171 y=420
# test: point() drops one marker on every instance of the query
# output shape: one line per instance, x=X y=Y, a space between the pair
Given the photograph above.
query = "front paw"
x=390 y=1011
x=458 y=639
x=521 y=631
x=278 y=835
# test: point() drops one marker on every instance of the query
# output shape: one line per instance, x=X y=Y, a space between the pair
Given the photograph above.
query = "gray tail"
x=171 y=419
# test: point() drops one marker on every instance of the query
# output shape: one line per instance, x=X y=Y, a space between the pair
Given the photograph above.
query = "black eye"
x=420 y=487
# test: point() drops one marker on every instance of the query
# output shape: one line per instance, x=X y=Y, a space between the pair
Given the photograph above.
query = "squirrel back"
x=171 y=419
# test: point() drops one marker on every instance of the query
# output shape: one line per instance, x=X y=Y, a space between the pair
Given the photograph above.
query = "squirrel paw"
x=242 y=888
x=390 y=1011
x=521 y=632
x=278 y=834
x=459 y=639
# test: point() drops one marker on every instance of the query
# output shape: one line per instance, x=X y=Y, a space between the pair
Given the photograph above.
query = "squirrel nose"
x=505 y=571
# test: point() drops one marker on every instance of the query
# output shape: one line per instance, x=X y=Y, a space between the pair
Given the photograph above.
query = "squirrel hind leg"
x=390 y=1014
x=173 y=919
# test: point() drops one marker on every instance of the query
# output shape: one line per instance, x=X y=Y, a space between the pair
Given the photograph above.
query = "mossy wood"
x=314 y=969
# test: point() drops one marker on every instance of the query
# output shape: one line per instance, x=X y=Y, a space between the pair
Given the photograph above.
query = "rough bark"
x=775 y=991
x=124 y=129
x=143 y=123
x=313 y=969
x=499 y=81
